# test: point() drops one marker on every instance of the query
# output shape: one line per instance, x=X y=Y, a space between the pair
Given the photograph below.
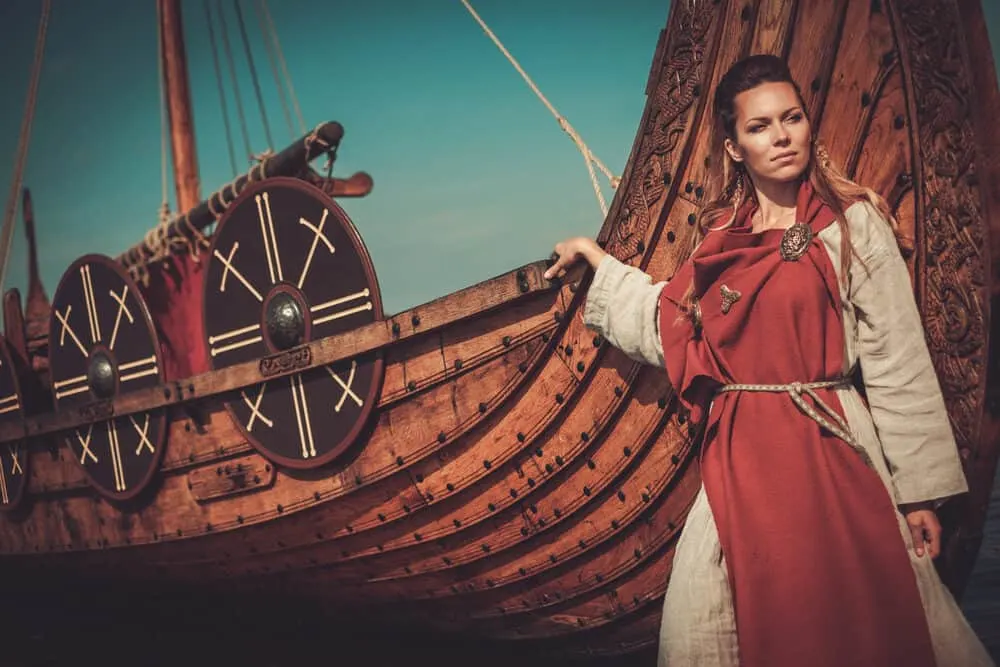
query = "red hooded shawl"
x=818 y=570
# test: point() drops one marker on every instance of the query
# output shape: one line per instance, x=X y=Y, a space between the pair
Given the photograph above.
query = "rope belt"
x=796 y=390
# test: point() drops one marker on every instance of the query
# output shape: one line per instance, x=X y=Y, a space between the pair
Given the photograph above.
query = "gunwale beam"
x=472 y=301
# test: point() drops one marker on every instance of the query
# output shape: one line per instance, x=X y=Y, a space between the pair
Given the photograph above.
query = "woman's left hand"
x=925 y=529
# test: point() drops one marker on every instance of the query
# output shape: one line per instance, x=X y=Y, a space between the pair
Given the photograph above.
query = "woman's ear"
x=733 y=150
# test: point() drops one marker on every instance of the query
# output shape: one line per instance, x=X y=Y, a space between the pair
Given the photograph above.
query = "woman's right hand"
x=568 y=252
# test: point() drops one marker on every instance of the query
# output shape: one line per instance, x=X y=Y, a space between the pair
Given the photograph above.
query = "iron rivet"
x=671 y=237
x=416 y=320
x=627 y=451
x=442 y=437
x=640 y=246
x=482 y=408
x=866 y=98
x=395 y=328
x=399 y=460
x=521 y=437
x=487 y=465
x=586 y=491
x=458 y=364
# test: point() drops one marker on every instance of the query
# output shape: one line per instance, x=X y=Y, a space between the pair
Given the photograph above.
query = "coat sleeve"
x=622 y=306
x=904 y=395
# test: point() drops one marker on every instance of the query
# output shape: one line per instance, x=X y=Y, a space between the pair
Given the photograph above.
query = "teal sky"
x=473 y=176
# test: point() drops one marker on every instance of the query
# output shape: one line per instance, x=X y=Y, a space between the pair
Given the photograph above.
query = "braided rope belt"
x=796 y=390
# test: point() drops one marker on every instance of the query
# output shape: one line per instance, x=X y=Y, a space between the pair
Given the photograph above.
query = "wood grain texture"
x=521 y=481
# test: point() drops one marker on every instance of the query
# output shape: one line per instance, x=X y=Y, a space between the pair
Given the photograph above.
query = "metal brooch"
x=729 y=297
x=795 y=241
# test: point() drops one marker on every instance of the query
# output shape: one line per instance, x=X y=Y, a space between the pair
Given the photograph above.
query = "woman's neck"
x=776 y=204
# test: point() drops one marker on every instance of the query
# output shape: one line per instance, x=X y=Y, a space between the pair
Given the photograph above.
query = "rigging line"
x=588 y=154
x=253 y=73
x=232 y=74
x=221 y=86
x=284 y=67
x=269 y=47
x=164 y=179
x=23 y=140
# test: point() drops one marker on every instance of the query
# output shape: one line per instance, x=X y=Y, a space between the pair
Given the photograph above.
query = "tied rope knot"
x=795 y=390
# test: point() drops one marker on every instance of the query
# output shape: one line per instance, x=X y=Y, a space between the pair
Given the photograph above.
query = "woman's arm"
x=622 y=302
x=904 y=395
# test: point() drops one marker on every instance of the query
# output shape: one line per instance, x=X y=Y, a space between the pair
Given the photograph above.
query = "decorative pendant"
x=795 y=241
x=729 y=297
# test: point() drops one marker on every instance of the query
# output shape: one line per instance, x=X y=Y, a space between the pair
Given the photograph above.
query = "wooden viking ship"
x=240 y=415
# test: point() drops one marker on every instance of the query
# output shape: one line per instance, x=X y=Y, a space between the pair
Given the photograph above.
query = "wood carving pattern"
x=952 y=287
x=679 y=84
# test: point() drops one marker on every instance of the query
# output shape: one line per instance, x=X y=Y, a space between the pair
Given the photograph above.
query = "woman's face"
x=773 y=136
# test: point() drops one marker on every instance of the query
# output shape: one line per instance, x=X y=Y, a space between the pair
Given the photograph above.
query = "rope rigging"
x=588 y=155
x=253 y=74
x=159 y=241
x=232 y=75
x=222 y=92
x=273 y=33
x=24 y=139
x=272 y=61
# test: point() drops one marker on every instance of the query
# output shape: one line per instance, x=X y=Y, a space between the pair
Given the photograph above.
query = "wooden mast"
x=174 y=292
x=178 y=92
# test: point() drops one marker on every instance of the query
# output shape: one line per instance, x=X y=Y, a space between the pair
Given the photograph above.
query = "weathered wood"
x=523 y=481
x=467 y=303
x=178 y=97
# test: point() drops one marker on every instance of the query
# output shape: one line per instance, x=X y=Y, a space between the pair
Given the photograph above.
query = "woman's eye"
x=795 y=117
x=755 y=128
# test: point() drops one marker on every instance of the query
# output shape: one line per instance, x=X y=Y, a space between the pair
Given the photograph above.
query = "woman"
x=812 y=539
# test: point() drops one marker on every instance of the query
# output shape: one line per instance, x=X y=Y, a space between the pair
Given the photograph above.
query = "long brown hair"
x=729 y=183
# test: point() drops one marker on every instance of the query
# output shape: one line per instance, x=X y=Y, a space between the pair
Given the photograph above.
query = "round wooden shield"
x=287 y=267
x=101 y=344
x=13 y=456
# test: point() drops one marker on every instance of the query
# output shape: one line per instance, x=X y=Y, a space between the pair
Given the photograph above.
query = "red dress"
x=817 y=567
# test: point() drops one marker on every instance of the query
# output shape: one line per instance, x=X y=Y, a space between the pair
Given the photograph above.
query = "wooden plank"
x=473 y=301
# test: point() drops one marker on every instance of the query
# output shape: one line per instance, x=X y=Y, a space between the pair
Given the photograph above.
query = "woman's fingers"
x=561 y=258
x=917 y=534
x=926 y=532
